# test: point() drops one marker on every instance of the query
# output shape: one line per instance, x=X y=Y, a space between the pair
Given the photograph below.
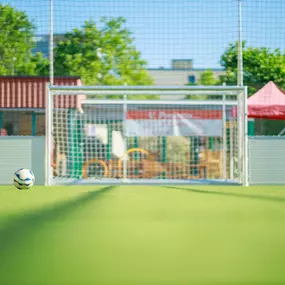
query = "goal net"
x=146 y=135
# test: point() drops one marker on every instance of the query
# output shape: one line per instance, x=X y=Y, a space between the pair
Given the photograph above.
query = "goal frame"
x=240 y=91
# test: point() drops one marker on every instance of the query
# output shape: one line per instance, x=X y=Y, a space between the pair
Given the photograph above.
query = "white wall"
x=22 y=152
x=266 y=160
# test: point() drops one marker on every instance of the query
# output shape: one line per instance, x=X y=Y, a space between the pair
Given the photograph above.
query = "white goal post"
x=146 y=134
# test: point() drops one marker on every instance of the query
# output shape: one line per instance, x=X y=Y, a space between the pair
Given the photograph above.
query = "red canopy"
x=267 y=103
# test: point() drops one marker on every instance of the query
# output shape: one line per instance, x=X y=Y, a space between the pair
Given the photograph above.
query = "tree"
x=16 y=43
x=101 y=56
x=38 y=65
x=260 y=65
x=208 y=78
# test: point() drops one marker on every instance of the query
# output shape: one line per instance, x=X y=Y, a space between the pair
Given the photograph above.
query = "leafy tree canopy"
x=16 y=43
x=260 y=65
x=102 y=54
x=208 y=78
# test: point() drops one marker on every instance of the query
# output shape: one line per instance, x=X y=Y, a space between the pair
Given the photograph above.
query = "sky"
x=171 y=29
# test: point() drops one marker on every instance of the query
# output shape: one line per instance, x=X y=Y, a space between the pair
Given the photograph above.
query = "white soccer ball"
x=23 y=179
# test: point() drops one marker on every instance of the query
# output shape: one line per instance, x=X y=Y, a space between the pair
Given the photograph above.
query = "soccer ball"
x=23 y=179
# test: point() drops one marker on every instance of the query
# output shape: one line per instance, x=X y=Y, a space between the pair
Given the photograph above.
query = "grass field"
x=142 y=235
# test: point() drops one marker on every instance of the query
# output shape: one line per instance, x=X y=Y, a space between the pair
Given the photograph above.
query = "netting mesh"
x=148 y=140
x=161 y=31
x=148 y=42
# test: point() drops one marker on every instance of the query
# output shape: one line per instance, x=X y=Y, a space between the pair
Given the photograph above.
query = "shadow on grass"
x=229 y=194
x=20 y=227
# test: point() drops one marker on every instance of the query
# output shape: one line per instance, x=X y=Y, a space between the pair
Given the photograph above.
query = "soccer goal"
x=146 y=134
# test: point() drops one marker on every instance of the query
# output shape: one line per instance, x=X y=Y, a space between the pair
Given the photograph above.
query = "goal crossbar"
x=161 y=102
x=146 y=90
x=142 y=88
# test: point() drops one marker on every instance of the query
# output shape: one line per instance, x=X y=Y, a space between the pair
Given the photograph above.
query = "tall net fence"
x=131 y=42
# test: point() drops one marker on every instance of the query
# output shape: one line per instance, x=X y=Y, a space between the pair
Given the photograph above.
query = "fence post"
x=164 y=155
x=251 y=127
x=34 y=124
x=1 y=120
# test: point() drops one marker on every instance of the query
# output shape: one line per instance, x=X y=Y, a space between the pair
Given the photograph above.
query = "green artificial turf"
x=142 y=235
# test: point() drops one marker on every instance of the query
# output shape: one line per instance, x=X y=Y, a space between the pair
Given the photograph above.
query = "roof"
x=30 y=92
x=267 y=103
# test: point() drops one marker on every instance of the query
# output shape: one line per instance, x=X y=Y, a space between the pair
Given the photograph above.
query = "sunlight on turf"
x=145 y=235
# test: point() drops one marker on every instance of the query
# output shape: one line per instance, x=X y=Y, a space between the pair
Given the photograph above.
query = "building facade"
x=181 y=73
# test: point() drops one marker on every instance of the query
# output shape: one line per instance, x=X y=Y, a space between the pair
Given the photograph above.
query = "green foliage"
x=41 y=64
x=208 y=78
x=260 y=65
x=101 y=55
x=16 y=43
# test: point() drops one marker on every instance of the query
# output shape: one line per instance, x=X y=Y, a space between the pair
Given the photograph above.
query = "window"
x=191 y=79
x=10 y=122
x=22 y=123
